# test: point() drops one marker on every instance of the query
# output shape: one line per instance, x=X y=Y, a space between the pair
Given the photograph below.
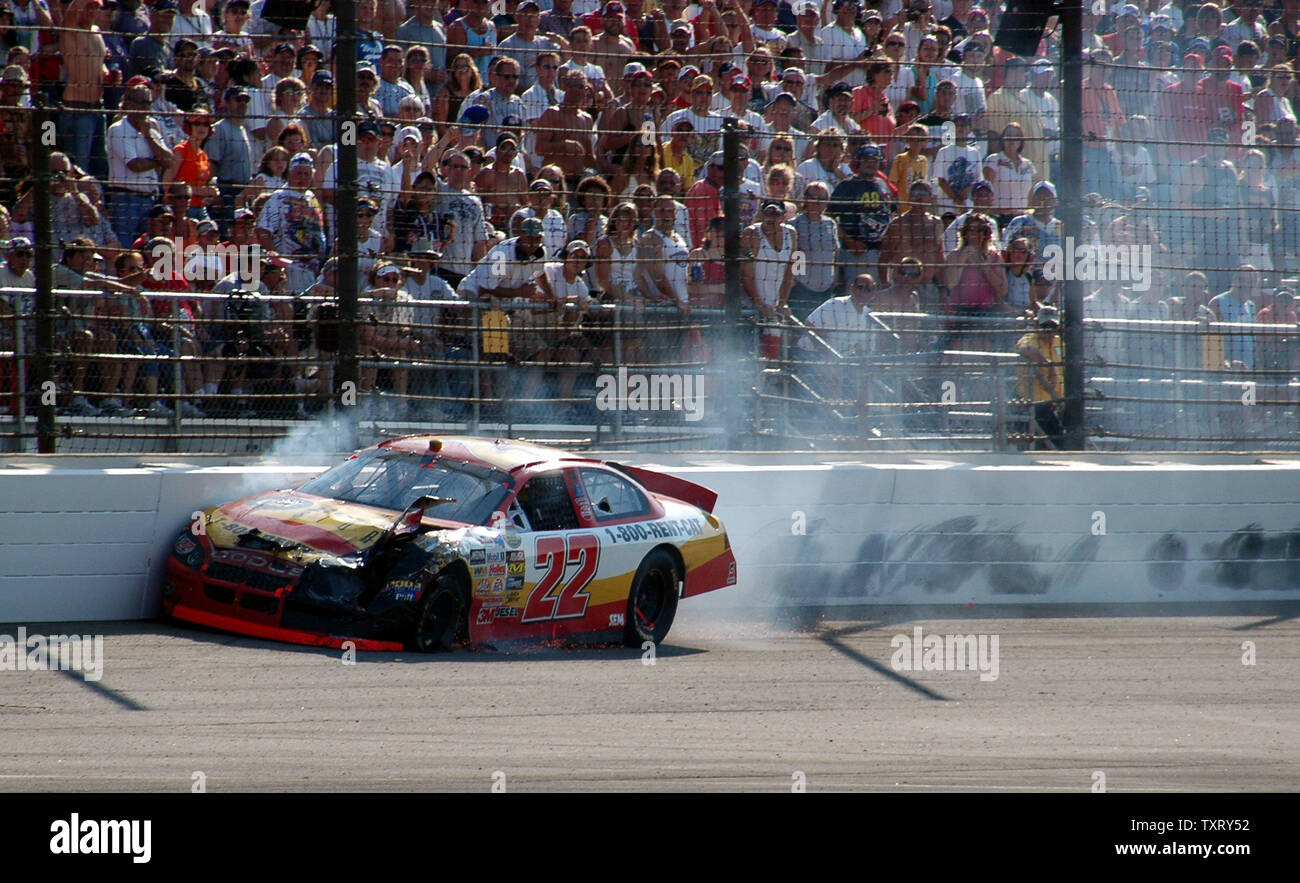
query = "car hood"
x=301 y=527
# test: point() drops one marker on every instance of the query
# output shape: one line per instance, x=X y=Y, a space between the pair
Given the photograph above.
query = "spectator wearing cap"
x=842 y=41
x=706 y=123
x=564 y=289
x=230 y=150
x=614 y=44
x=838 y=115
x=981 y=197
x=474 y=33
x=806 y=36
x=864 y=204
x=234 y=21
x=318 y=116
x=153 y=48
x=1039 y=226
x=740 y=92
x=159 y=223
x=500 y=184
x=292 y=222
x=1044 y=351
x=540 y=204
x=16 y=272
x=191 y=165
x=424 y=29
x=181 y=83
x=525 y=43
x=794 y=82
x=136 y=158
x=376 y=178
x=704 y=198
x=956 y=169
x=76 y=329
x=367 y=83
x=623 y=122
x=780 y=119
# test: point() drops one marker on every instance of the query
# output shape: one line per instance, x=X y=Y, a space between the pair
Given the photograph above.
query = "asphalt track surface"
x=730 y=704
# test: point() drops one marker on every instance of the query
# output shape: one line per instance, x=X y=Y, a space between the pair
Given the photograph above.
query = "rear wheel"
x=652 y=603
x=441 y=616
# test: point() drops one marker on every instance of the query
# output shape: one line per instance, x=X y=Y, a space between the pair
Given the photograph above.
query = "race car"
x=430 y=542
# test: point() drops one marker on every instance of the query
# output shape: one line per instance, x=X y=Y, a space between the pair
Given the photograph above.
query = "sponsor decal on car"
x=184 y=546
x=496 y=570
x=513 y=540
x=515 y=568
x=486 y=616
x=616 y=620
x=403 y=589
x=513 y=557
x=494 y=557
x=477 y=556
x=514 y=584
x=664 y=529
x=507 y=612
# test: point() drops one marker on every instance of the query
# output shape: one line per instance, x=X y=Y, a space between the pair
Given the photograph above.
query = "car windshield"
x=395 y=479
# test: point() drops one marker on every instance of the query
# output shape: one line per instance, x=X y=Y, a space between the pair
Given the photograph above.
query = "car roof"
x=498 y=453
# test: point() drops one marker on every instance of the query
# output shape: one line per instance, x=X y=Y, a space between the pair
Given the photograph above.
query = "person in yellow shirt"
x=675 y=152
x=1013 y=104
x=1046 y=354
x=911 y=165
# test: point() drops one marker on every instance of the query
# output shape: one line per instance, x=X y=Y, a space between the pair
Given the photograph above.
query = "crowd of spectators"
x=548 y=158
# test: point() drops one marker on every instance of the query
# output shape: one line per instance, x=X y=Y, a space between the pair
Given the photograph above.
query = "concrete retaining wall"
x=85 y=543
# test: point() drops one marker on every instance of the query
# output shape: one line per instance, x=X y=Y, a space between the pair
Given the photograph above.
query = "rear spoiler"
x=671 y=486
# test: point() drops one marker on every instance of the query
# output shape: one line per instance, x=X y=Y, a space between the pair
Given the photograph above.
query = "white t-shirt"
x=1011 y=187
x=841 y=45
x=125 y=144
x=838 y=314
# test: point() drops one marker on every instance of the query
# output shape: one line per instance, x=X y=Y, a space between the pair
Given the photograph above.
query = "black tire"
x=652 y=603
x=441 y=617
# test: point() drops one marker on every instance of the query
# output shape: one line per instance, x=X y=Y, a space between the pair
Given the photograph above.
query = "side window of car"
x=612 y=496
x=547 y=504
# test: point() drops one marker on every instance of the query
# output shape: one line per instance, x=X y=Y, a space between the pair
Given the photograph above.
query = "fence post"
x=44 y=272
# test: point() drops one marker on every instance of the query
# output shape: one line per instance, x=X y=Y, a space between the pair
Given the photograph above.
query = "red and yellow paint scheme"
x=430 y=541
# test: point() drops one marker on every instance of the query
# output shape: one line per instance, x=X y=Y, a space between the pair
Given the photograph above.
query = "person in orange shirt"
x=190 y=165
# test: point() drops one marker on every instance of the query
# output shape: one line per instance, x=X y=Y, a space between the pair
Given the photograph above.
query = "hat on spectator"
x=207 y=226
x=322 y=78
x=782 y=96
x=758 y=3
x=1199 y=45
x=507 y=136
x=408 y=132
x=1048 y=315
x=512 y=121
x=793 y=73
x=474 y=115
x=286 y=47
x=19 y=243
x=531 y=227
x=1130 y=9
x=526 y=3
x=909 y=105
x=15 y=73
x=871 y=14
x=981 y=185
x=236 y=92
x=1222 y=52
x=689 y=72
x=224 y=50
x=205 y=51
x=309 y=49
x=137 y=80
x=1162 y=21
x=718 y=159
x=161 y=210
x=683 y=27
x=803 y=7
x=1043 y=187
x=701 y=82
x=840 y=88
x=366 y=69
x=541 y=184
x=164 y=6
x=183 y=41
x=576 y=245
x=667 y=63
x=1141 y=194
x=245 y=212
x=368 y=127
x=424 y=247
x=869 y=151
x=741 y=82
x=773 y=203
x=387 y=270
x=614 y=8
x=632 y=68
x=959 y=118
x=302 y=159
x=1041 y=66
x=920 y=185
x=243 y=3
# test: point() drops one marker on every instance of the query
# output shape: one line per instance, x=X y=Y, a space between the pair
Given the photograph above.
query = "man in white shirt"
x=843 y=41
x=136 y=156
x=707 y=124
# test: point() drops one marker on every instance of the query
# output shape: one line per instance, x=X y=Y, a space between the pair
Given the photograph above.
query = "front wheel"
x=441 y=615
x=652 y=603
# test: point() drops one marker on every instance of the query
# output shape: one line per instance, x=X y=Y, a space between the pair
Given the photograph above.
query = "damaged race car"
x=431 y=541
